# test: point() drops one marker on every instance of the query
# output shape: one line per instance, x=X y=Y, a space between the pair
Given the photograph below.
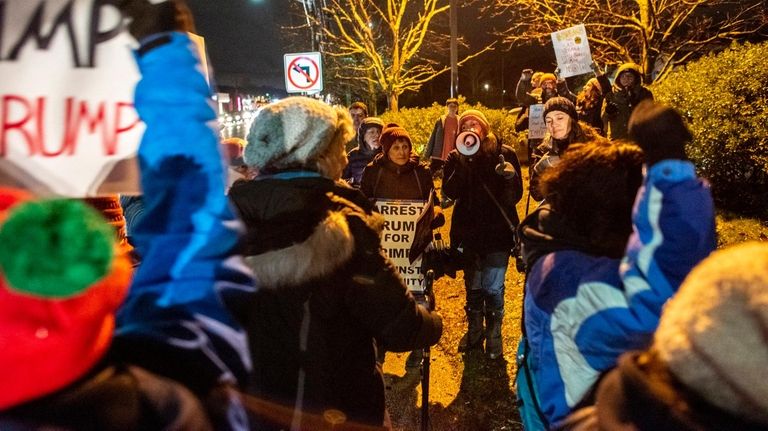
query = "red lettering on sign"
x=80 y=116
x=8 y=125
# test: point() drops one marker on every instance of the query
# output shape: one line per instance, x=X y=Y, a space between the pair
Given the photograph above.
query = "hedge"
x=724 y=97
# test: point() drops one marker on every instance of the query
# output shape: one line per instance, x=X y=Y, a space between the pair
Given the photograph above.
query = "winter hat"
x=368 y=123
x=477 y=116
x=547 y=77
x=632 y=68
x=390 y=134
x=561 y=104
x=110 y=209
x=232 y=149
x=296 y=132
x=62 y=279
x=712 y=332
x=595 y=83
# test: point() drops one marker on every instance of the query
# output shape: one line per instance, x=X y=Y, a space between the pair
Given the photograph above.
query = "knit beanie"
x=547 y=77
x=109 y=207
x=477 y=116
x=296 y=132
x=712 y=333
x=390 y=134
x=232 y=149
x=368 y=123
x=561 y=104
x=62 y=279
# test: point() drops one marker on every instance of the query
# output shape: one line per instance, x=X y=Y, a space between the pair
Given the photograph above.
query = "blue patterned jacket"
x=583 y=311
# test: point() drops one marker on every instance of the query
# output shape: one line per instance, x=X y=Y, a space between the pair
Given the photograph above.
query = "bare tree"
x=392 y=42
x=656 y=34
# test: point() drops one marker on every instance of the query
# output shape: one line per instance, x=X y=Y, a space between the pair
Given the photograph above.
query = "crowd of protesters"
x=250 y=289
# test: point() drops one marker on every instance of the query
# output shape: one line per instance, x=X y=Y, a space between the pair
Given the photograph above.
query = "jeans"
x=484 y=279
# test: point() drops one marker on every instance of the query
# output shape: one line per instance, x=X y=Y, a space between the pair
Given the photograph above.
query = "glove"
x=527 y=74
x=505 y=169
x=148 y=19
x=438 y=219
x=557 y=73
x=611 y=108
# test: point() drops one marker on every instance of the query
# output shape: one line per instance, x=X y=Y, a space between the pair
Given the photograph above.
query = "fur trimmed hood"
x=299 y=230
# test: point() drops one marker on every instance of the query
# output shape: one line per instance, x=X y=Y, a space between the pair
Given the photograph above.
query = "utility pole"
x=454 y=48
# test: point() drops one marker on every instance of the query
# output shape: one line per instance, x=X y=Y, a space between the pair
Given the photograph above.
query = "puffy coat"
x=477 y=223
x=358 y=159
x=584 y=307
x=620 y=102
x=327 y=292
x=383 y=179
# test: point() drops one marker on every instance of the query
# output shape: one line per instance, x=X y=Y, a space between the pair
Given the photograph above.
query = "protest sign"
x=572 y=51
x=402 y=219
x=537 y=127
x=67 y=122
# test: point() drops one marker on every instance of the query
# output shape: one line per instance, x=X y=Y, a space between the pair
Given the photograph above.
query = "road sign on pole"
x=303 y=72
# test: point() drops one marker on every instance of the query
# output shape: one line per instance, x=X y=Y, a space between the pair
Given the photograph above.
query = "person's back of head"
x=299 y=133
x=659 y=130
x=593 y=189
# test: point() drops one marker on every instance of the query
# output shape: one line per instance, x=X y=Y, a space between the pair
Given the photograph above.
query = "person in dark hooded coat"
x=628 y=91
x=367 y=148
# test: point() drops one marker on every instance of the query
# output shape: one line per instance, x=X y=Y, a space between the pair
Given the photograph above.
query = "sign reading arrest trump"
x=67 y=122
x=400 y=219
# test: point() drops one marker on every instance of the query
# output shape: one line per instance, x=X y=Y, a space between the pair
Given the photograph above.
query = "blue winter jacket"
x=582 y=311
x=174 y=321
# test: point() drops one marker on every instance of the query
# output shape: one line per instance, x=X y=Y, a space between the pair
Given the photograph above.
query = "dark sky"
x=241 y=35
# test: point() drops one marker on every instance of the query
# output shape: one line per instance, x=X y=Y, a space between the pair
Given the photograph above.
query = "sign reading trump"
x=67 y=122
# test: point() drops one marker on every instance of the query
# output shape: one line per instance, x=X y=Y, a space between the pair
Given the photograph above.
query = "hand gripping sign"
x=406 y=235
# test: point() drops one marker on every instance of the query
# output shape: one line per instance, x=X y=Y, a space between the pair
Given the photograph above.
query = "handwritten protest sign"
x=572 y=51
x=537 y=127
x=67 y=122
x=401 y=221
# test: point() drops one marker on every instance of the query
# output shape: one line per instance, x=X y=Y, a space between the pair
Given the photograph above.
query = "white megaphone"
x=468 y=143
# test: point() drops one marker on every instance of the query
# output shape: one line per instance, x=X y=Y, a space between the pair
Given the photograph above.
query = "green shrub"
x=725 y=99
x=420 y=121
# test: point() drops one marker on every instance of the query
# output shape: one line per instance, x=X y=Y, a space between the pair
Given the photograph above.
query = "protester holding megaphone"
x=483 y=177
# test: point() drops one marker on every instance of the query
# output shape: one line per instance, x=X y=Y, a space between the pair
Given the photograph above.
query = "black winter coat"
x=383 y=179
x=112 y=398
x=359 y=158
x=327 y=291
x=477 y=222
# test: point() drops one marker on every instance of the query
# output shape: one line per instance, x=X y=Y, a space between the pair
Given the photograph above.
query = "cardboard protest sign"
x=537 y=127
x=67 y=122
x=403 y=232
x=572 y=51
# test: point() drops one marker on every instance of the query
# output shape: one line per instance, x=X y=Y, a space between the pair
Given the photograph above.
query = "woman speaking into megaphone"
x=483 y=177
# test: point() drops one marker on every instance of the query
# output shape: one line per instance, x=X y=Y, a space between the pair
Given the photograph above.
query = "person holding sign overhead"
x=483 y=177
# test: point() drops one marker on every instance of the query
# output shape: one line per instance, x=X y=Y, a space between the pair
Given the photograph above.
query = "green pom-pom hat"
x=62 y=278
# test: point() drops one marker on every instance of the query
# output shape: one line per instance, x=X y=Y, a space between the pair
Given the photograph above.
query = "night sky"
x=241 y=35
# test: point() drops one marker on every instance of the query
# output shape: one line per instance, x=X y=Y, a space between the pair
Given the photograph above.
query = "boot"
x=493 y=343
x=473 y=339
